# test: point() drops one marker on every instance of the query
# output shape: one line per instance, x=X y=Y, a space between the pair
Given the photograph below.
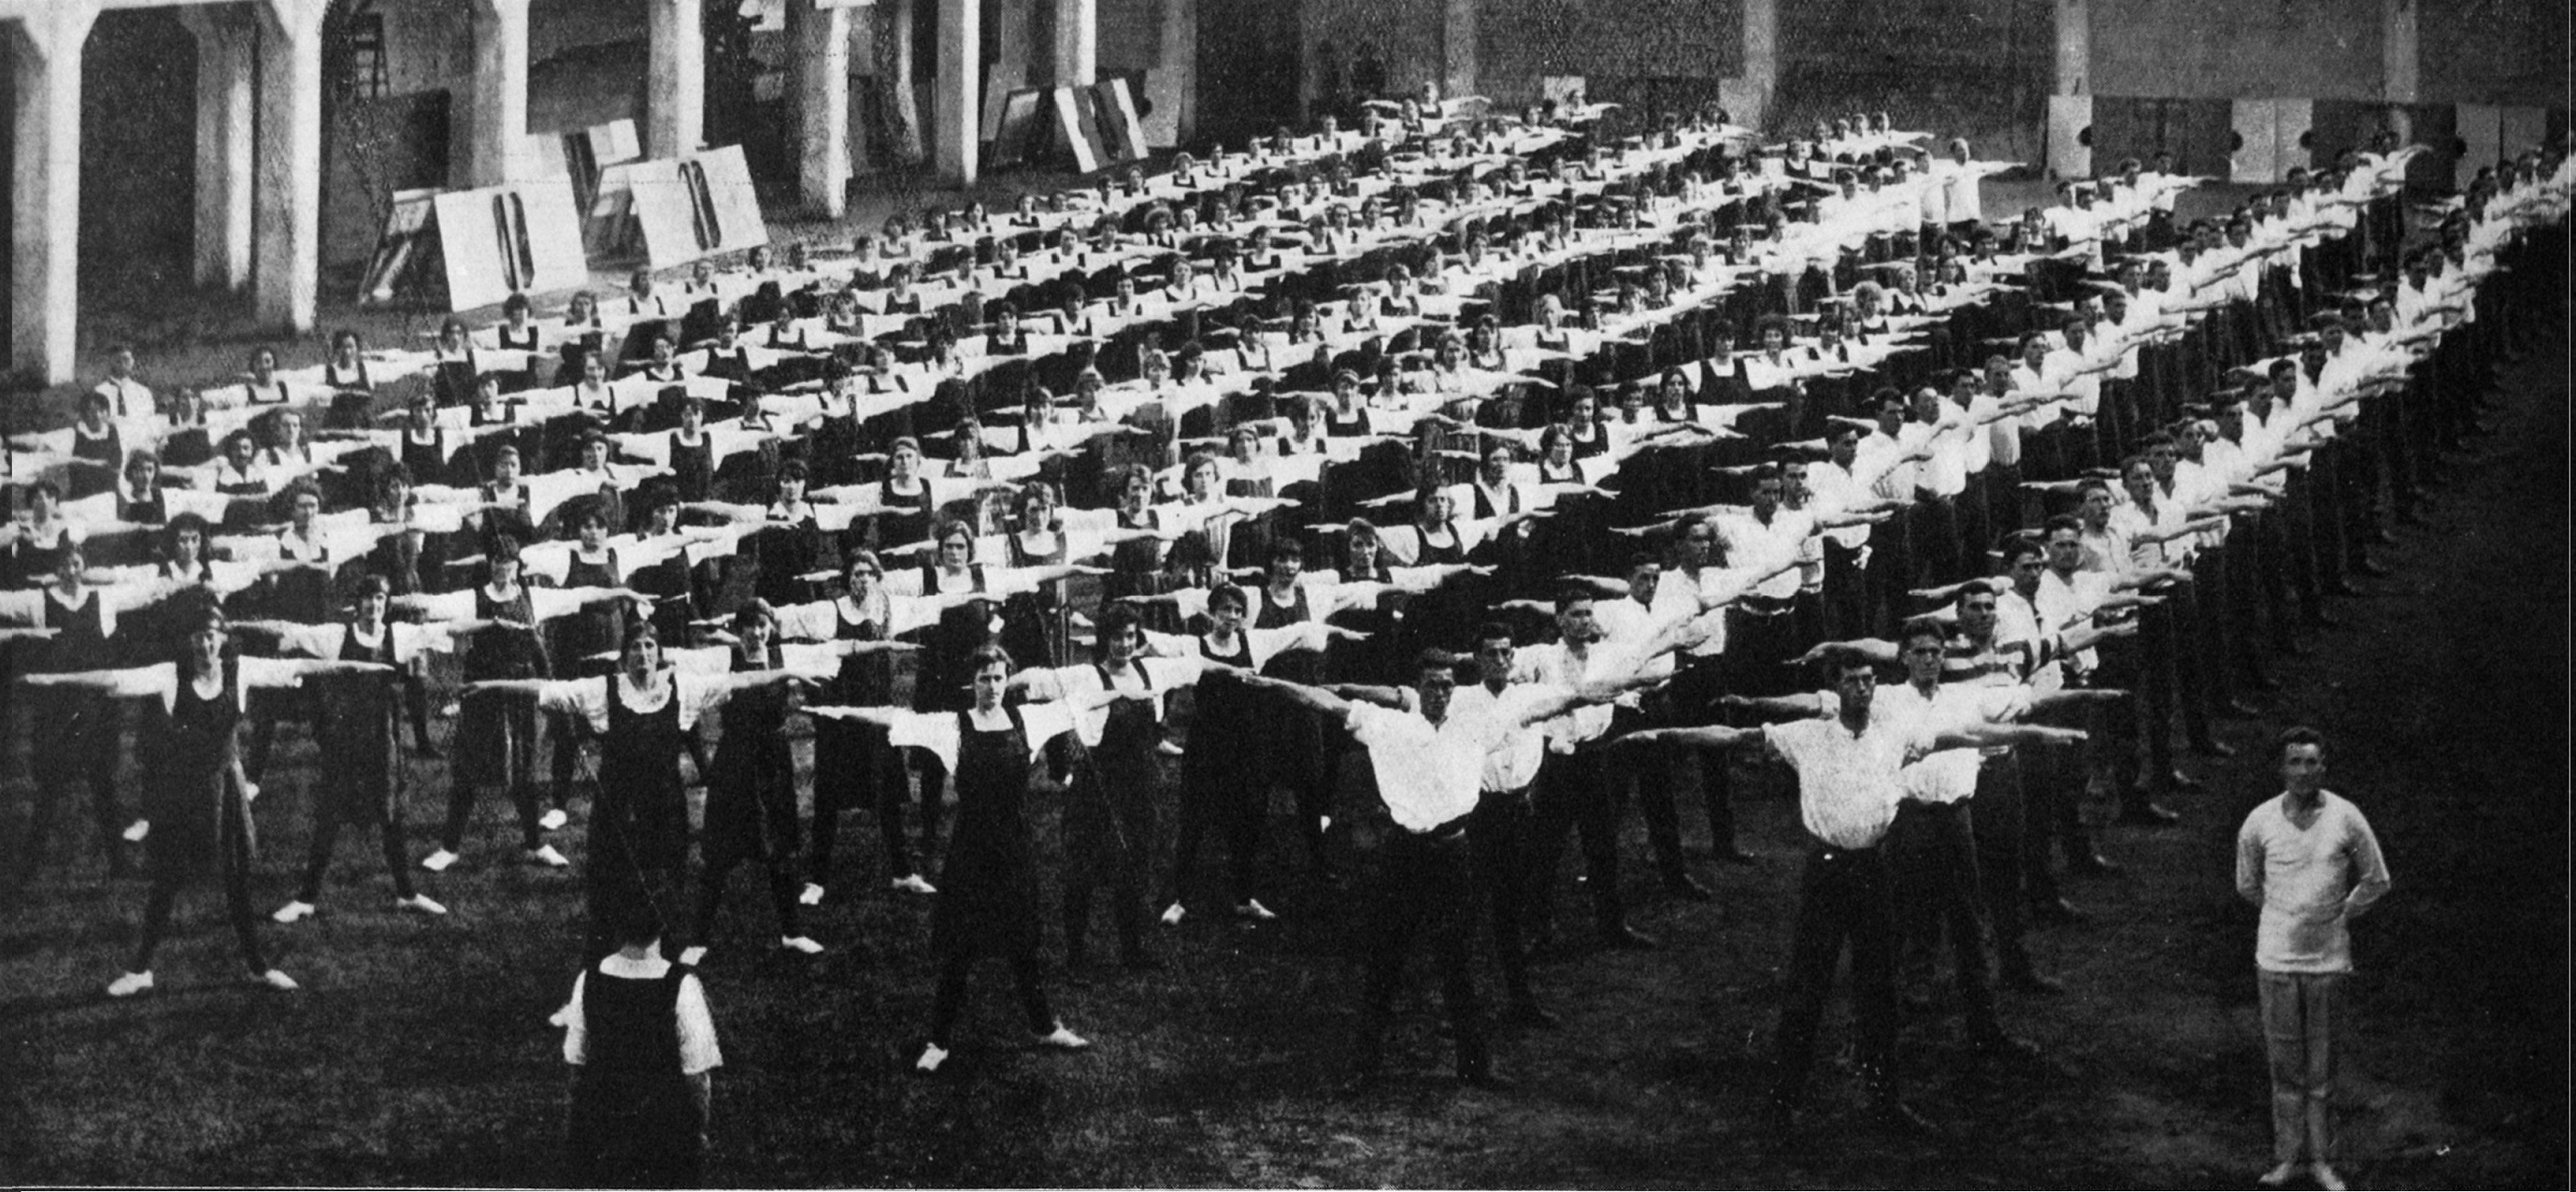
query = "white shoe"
x=932 y=1055
x=562 y=1016
x=545 y=854
x=801 y=943
x=130 y=984
x=813 y=895
x=1063 y=1040
x=2324 y=1175
x=438 y=862
x=293 y=911
x=1167 y=749
x=134 y=834
x=2278 y=1177
x=1172 y=915
x=692 y=954
x=553 y=820
x=273 y=979
x=1253 y=910
x=421 y=904
x=911 y=883
x=1324 y=823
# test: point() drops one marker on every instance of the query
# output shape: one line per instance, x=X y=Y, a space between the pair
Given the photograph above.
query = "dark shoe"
x=2185 y=783
x=1487 y=1079
x=1682 y=885
x=1531 y=1014
x=2213 y=748
x=1629 y=939
x=2341 y=588
x=2057 y=911
x=1898 y=1117
x=2147 y=815
x=2237 y=709
x=2033 y=981
x=2373 y=568
x=1736 y=856
x=2093 y=865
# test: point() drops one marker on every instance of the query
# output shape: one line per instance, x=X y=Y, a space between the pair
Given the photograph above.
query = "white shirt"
x=1431 y=774
x=698 y=1051
x=1848 y=783
x=2312 y=880
x=1513 y=764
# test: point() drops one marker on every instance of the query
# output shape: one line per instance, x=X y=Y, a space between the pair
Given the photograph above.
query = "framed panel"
x=2480 y=131
x=2521 y=129
x=2254 y=146
x=2126 y=127
x=2070 y=136
x=2292 y=121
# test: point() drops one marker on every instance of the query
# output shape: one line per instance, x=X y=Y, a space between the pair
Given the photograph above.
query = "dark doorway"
x=138 y=157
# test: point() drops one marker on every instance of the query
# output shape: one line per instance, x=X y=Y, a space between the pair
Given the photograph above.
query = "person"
x=363 y=775
x=642 y=1045
x=750 y=812
x=1429 y=760
x=988 y=903
x=196 y=796
x=2309 y=859
x=1848 y=769
x=639 y=825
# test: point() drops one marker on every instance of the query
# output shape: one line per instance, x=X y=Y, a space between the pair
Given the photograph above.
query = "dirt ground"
x=417 y=1055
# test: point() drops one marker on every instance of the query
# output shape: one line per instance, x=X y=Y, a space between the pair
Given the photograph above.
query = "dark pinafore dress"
x=639 y=823
x=988 y=885
x=633 y=1123
x=359 y=716
x=190 y=796
x=751 y=784
x=72 y=735
x=1109 y=814
x=947 y=656
x=851 y=758
x=496 y=739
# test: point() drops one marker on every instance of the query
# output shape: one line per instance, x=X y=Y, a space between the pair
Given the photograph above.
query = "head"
x=640 y=654
x=1856 y=683
x=2065 y=540
x=370 y=598
x=956 y=545
x=1919 y=646
x=1119 y=635
x=1574 y=616
x=2024 y=559
x=1435 y=680
x=2303 y=762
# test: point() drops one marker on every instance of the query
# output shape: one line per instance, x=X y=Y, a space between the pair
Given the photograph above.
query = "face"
x=2140 y=479
x=307 y=507
x=2025 y=574
x=594 y=533
x=1121 y=645
x=1858 y=685
x=1766 y=495
x=206 y=647
x=371 y=607
x=186 y=545
x=955 y=550
x=2303 y=769
x=754 y=634
x=2065 y=550
x=1642 y=581
x=1575 y=622
x=1977 y=614
x=1923 y=661
x=1435 y=685
x=2096 y=508
x=642 y=657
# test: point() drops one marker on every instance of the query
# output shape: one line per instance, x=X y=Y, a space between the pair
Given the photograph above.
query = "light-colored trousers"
x=2299 y=1020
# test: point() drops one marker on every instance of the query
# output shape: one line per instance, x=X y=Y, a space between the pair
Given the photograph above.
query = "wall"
x=1973 y=68
x=1520 y=41
x=2226 y=49
x=1159 y=37
x=2510 y=52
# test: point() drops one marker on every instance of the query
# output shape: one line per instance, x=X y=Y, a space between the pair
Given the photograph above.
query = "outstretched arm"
x=1713 y=736
x=1310 y=698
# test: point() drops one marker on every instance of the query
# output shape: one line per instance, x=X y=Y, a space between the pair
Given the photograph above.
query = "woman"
x=963 y=626
x=853 y=765
x=31 y=548
x=363 y=775
x=991 y=904
x=195 y=794
x=496 y=743
x=642 y=1047
x=639 y=825
x=751 y=789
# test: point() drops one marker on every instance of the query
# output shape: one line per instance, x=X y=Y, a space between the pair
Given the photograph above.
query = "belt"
x=1765 y=606
x=1455 y=829
x=1834 y=852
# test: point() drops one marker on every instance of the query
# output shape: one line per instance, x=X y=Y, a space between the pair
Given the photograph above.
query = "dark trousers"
x=327 y=821
x=1423 y=887
x=1214 y=801
x=1933 y=848
x=233 y=859
x=96 y=745
x=1500 y=835
x=2000 y=828
x=1575 y=793
x=460 y=811
x=950 y=1002
x=2053 y=781
x=1843 y=896
x=1698 y=685
x=1652 y=771
x=1846 y=596
x=1936 y=544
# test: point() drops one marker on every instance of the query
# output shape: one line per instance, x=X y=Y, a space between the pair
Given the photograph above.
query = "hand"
x=250 y=791
x=1734 y=701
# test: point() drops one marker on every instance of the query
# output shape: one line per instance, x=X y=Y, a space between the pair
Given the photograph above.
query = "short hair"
x=1114 y=621
x=193 y=523
x=1493 y=631
x=1228 y=594
x=1437 y=659
x=638 y=632
x=370 y=585
x=2066 y=522
x=2298 y=734
x=755 y=609
x=1283 y=549
x=2018 y=546
x=1920 y=627
x=1644 y=559
x=1570 y=594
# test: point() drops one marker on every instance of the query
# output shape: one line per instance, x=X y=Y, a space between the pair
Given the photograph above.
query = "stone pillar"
x=2400 y=50
x=1747 y=97
x=497 y=110
x=1457 y=48
x=287 y=212
x=1013 y=43
x=818 y=42
x=675 y=99
x=44 y=242
x=956 y=92
x=2074 y=48
x=226 y=58
x=1077 y=42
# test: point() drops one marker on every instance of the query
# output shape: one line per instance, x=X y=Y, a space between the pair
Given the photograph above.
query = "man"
x=1429 y=759
x=127 y=397
x=1579 y=790
x=2308 y=858
x=1848 y=791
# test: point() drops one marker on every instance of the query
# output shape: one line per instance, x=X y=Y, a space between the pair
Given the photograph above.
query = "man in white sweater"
x=2309 y=860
